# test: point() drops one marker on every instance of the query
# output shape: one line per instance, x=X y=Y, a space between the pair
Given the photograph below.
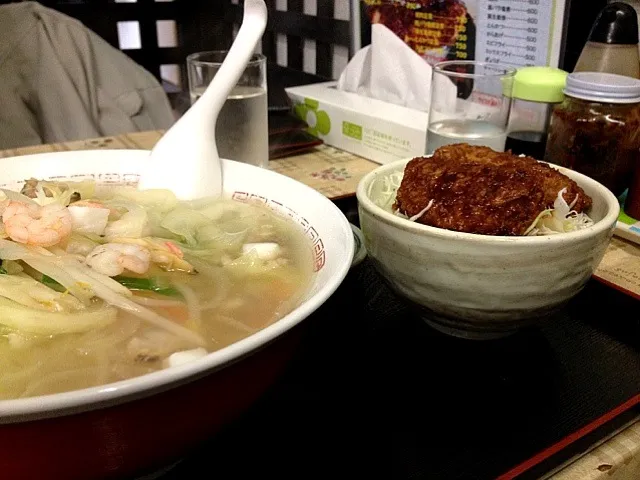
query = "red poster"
x=436 y=29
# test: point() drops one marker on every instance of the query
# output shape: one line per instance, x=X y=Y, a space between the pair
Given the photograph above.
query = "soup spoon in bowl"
x=185 y=160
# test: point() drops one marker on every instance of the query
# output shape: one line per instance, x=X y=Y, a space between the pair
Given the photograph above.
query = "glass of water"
x=470 y=103
x=242 y=131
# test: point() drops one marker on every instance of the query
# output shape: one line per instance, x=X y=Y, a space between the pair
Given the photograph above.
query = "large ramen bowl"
x=144 y=422
x=479 y=286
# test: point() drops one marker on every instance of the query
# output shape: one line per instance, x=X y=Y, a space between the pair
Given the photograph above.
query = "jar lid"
x=539 y=84
x=603 y=87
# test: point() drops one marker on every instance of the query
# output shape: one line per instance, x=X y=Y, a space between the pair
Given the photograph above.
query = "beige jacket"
x=59 y=81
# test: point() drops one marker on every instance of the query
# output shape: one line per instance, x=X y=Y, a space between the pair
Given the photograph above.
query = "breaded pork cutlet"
x=477 y=190
x=552 y=180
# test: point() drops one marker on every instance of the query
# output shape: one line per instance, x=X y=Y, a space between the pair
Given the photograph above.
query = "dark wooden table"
x=376 y=393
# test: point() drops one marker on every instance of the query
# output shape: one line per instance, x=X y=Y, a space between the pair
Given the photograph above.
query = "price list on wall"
x=510 y=32
x=514 y=32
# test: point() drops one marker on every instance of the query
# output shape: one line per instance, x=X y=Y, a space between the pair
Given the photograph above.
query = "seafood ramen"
x=100 y=286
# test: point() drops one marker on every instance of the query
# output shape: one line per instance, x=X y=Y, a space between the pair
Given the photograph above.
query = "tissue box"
x=377 y=130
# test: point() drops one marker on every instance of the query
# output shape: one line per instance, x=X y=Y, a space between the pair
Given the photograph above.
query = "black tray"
x=375 y=393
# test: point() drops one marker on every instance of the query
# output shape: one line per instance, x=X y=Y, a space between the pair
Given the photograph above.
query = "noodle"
x=192 y=303
x=236 y=324
x=156 y=302
x=99 y=338
x=54 y=381
x=220 y=293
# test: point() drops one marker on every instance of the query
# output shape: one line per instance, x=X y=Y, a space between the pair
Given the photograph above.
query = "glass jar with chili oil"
x=596 y=130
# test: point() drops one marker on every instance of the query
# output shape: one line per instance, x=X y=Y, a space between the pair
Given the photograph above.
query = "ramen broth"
x=249 y=268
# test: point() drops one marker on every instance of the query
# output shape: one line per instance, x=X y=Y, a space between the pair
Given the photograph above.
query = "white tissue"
x=389 y=70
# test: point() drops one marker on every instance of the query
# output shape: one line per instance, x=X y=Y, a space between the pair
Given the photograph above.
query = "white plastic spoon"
x=185 y=160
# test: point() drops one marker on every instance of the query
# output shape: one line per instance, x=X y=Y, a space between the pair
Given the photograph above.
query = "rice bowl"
x=483 y=286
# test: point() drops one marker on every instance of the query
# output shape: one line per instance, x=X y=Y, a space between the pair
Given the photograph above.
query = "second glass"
x=242 y=131
x=470 y=103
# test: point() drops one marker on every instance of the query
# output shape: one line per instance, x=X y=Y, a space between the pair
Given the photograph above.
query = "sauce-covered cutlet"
x=474 y=189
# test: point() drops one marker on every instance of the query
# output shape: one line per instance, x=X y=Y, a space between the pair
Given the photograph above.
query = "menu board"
x=515 y=32
x=510 y=32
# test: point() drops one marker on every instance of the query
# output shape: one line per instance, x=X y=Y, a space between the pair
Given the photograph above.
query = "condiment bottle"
x=535 y=91
x=596 y=130
x=613 y=43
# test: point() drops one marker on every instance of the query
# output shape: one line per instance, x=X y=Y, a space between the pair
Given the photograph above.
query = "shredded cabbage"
x=185 y=223
x=559 y=219
x=383 y=190
x=157 y=203
x=78 y=244
x=417 y=216
x=62 y=192
x=155 y=199
x=15 y=196
x=251 y=265
x=383 y=193
x=134 y=223
x=213 y=229
x=227 y=237
x=89 y=219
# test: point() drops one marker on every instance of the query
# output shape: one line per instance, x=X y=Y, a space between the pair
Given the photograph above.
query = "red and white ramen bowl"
x=123 y=428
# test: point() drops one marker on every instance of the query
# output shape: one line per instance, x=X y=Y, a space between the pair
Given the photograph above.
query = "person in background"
x=60 y=82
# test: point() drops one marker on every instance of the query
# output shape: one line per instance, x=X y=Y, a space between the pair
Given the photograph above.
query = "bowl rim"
x=93 y=398
x=611 y=217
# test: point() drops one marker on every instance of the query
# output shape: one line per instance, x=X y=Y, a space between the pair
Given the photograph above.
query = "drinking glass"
x=470 y=103
x=242 y=131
